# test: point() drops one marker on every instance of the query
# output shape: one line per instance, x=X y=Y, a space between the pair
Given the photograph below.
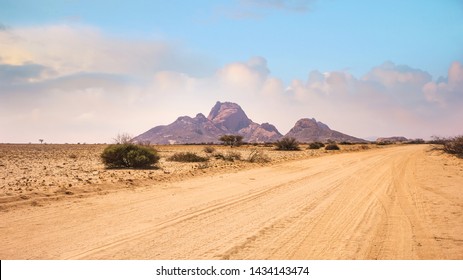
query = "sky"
x=84 y=71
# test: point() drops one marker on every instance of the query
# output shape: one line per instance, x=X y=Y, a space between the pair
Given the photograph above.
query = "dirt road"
x=402 y=202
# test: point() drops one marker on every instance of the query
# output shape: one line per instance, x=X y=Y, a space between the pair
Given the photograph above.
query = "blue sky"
x=322 y=59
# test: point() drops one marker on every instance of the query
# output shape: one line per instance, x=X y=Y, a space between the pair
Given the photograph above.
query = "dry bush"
x=187 y=157
x=332 y=147
x=258 y=157
x=316 y=145
x=209 y=149
x=287 y=144
x=229 y=156
x=454 y=146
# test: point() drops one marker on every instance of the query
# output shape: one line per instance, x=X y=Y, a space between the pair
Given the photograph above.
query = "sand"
x=394 y=202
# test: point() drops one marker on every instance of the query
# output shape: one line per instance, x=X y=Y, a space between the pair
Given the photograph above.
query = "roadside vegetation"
x=453 y=146
x=129 y=155
x=287 y=144
x=187 y=157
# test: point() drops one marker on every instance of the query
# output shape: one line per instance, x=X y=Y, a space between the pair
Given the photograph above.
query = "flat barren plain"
x=363 y=202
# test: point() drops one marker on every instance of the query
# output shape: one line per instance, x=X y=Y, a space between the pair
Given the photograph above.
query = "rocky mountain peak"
x=229 y=116
x=309 y=130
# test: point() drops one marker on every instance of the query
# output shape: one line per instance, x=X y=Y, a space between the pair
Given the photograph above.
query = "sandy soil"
x=402 y=202
x=32 y=175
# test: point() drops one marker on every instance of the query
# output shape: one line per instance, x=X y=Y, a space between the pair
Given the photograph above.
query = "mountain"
x=184 y=130
x=310 y=130
x=230 y=117
x=224 y=118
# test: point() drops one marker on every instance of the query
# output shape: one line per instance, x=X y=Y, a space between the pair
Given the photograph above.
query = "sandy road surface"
x=403 y=202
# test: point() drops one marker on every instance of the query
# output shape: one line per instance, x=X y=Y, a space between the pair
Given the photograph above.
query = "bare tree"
x=123 y=138
x=41 y=141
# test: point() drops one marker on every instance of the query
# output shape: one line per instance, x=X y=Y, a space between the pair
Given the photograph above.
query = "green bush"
x=187 y=157
x=332 y=147
x=129 y=156
x=316 y=145
x=287 y=144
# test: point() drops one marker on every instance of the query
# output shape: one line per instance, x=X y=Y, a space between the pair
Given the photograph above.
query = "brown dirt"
x=402 y=202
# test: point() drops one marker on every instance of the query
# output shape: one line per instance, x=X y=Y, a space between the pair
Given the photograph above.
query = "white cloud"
x=446 y=93
x=75 y=84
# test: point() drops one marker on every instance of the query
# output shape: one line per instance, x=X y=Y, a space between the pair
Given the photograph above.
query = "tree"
x=232 y=140
x=41 y=141
x=123 y=138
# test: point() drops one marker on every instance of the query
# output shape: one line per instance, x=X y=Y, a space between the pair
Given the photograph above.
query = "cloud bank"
x=75 y=84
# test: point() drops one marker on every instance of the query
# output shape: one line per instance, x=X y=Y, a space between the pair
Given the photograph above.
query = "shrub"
x=209 y=149
x=287 y=144
x=229 y=156
x=316 y=145
x=258 y=157
x=187 y=157
x=416 y=141
x=129 y=155
x=332 y=147
x=454 y=146
x=232 y=156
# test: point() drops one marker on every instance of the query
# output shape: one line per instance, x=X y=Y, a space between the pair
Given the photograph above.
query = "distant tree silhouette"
x=232 y=140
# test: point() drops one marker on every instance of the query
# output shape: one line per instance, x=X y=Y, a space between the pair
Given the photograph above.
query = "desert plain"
x=362 y=202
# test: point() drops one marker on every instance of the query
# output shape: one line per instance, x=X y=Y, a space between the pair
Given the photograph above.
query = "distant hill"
x=310 y=130
x=393 y=139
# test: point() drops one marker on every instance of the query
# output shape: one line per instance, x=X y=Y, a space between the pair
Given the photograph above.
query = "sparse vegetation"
x=287 y=144
x=316 y=145
x=209 y=149
x=454 y=146
x=231 y=140
x=129 y=156
x=257 y=156
x=187 y=157
x=232 y=156
x=229 y=156
x=416 y=141
x=123 y=138
x=332 y=147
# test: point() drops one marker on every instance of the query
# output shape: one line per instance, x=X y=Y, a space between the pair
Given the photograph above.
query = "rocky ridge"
x=229 y=118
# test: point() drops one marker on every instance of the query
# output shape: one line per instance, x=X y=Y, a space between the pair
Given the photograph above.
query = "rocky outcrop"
x=393 y=139
x=184 y=130
x=310 y=130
